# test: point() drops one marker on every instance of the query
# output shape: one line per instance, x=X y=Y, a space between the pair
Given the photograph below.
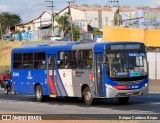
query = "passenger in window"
x=89 y=66
x=68 y=65
x=82 y=65
x=126 y=67
x=66 y=56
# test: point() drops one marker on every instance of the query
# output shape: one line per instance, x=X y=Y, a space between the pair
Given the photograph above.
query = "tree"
x=76 y=32
x=8 y=19
x=64 y=26
x=96 y=31
x=62 y=23
x=116 y=18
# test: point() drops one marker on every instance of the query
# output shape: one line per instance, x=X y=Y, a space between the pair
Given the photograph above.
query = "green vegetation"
x=76 y=32
x=6 y=21
x=96 y=31
x=62 y=23
x=64 y=27
x=5 y=52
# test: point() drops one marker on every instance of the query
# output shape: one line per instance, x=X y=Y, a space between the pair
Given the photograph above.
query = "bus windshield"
x=121 y=65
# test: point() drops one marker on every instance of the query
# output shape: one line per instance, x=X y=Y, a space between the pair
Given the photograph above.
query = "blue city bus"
x=85 y=70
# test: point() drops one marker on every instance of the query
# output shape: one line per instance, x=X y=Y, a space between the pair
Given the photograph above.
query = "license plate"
x=129 y=93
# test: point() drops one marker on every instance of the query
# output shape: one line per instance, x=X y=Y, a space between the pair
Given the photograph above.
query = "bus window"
x=50 y=65
x=61 y=59
x=17 y=61
x=69 y=59
x=27 y=60
x=84 y=59
x=39 y=60
x=61 y=65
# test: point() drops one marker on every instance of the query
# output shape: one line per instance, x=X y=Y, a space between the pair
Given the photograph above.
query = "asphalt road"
x=26 y=104
x=69 y=108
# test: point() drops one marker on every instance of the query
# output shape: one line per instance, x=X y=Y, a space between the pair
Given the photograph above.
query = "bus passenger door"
x=51 y=75
x=99 y=75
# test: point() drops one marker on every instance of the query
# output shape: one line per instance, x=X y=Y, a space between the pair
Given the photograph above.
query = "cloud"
x=154 y=3
x=4 y=8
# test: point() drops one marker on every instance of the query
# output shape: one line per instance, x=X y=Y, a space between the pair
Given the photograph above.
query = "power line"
x=52 y=8
x=69 y=11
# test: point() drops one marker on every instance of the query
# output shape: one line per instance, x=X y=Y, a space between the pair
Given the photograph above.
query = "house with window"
x=94 y=16
x=90 y=17
x=38 y=27
x=43 y=25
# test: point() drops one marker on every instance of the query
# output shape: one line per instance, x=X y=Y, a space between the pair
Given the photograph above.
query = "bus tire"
x=38 y=93
x=123 y=100
x=88 y=99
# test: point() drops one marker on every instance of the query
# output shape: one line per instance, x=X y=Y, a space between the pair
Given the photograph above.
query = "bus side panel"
x=70 y=82
x=65 y=82
x=25 y=80
x=81 y=77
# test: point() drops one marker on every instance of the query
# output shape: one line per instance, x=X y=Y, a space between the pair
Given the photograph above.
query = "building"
x=140 y=17
x=95 y=16
x=89 y=17
x=43 y=25
x=14 y=28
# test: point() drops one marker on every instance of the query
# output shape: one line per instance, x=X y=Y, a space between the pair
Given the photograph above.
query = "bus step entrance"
x=52 y=95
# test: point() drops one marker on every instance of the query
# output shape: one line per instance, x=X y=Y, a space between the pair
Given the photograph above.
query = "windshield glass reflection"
x=126 y=64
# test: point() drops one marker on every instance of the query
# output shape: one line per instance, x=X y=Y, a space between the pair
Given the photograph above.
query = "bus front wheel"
x=87 y=96
x=123 y=100
x=38 y=93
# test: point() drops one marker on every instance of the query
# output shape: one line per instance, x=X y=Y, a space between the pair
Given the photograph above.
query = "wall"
x=151 y=38
x=122 y=34
x=92 y=18
x=154 y=65
x=107 y=18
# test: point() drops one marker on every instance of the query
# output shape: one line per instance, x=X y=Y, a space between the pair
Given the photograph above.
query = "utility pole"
x=52 y=8
x=69 y=11
x=117 y=11
x=1 y=27
x=1 y=31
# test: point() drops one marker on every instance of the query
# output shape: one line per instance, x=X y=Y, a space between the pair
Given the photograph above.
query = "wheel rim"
x=39 y=93
x=88 y=96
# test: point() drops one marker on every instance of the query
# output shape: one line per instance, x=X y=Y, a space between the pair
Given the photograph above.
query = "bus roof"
x=98 y=47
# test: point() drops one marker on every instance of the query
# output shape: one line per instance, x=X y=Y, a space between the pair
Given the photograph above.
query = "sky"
x=30 y=9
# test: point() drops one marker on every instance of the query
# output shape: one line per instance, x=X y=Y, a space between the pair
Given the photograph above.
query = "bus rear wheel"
x=38 y=93
x=123 y=100
x=87 y=95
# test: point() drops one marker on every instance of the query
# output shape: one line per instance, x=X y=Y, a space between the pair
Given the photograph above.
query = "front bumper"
x=111 y=92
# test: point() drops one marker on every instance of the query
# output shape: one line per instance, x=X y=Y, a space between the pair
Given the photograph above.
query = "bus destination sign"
x=125 y=47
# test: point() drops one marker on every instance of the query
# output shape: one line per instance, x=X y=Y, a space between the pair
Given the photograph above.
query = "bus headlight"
x=109 y=86
x=145 y=85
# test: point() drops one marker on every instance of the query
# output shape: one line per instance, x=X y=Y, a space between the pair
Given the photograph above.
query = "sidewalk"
x=154 y=86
